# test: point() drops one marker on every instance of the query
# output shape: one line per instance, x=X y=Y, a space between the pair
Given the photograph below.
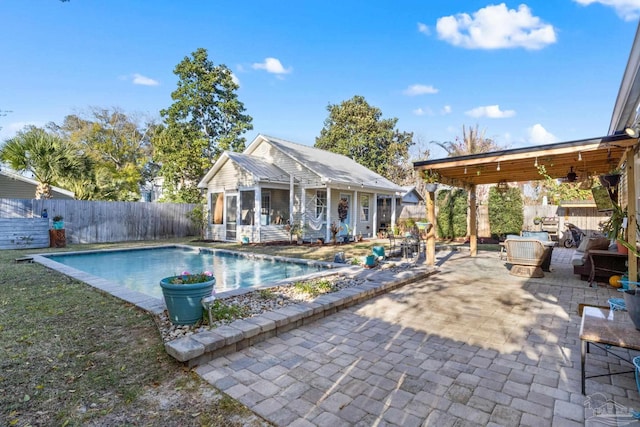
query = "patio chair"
x=392 y=243
x=526 y=257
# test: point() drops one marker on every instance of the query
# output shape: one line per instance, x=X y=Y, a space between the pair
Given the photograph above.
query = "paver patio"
x=470 y=345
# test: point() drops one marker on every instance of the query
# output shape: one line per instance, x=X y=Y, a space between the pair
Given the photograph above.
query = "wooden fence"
x=24 y=233
x=102 y=222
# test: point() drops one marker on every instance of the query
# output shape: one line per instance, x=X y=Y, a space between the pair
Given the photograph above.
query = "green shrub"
x=451 y=220
x=506 y=215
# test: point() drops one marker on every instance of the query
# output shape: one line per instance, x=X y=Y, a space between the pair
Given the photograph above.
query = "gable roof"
x=260 y=169
x=332 y=168
x=56 y=191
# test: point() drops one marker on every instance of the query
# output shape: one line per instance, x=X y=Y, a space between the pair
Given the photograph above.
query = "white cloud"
x=418 y=89
x=10 y=130
x=271 y=65
x=422 y=112
x=629 y=10
x=491 y=112
x=139 y=79
x=496 y=27
x=539 y=135
x=235 y=79
x=446 y=110
x=423 y=28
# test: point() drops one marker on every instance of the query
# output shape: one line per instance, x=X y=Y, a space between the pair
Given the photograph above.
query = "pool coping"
x=157 y=306
x=202 y=347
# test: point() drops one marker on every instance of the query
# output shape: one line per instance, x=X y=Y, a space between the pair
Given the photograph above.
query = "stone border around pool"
x=202 y=347
x=156 y=305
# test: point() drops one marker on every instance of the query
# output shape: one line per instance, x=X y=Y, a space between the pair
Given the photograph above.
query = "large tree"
x=119 y=146
x=357 y=130
x=205 y=119
x=47 y=156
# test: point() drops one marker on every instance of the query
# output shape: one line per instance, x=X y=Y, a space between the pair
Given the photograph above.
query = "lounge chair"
x=526 y=257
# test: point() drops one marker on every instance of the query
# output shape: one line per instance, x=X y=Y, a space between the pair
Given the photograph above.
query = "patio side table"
x=604 y=328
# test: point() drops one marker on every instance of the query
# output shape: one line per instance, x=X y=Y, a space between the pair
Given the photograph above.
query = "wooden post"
x=431 y=235
x=473 y=221
x=631 y=212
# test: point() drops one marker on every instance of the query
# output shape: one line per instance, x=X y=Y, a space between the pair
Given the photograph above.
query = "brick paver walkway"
x=468 y=346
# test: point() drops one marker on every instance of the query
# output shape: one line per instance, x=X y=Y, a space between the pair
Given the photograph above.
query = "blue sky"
x=527 y=73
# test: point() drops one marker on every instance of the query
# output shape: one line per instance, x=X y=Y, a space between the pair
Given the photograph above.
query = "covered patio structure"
x=593 y=156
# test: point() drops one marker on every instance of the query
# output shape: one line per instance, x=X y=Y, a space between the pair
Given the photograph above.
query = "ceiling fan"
x=571 y=176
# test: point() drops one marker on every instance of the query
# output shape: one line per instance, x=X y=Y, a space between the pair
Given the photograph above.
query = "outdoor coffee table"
x=602 y=327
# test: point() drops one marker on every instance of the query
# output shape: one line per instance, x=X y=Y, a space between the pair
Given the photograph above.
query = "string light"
x=498 y=168
x=536 y=162
x=579 y=156
x=465 y=170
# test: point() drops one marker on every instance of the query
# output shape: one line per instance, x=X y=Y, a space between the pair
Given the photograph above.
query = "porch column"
x=354 y=214
x=291 y=198
x=431 y=235
x=393 y=213
x=373 y=204
x=257 y=214
x=632 y=261
x=303 y=209
x=328 y=231
x=473 y=221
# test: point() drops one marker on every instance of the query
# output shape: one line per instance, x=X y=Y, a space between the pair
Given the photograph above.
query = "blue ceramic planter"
x=184 y=300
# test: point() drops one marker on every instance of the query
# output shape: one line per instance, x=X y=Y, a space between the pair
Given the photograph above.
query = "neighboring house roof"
x=16 y=186
x=411 y=195
x=330 y=167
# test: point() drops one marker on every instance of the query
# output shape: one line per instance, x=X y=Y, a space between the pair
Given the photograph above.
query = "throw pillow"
x=598 y=243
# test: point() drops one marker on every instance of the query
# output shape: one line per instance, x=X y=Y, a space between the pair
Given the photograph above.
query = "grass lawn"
x=70 y=355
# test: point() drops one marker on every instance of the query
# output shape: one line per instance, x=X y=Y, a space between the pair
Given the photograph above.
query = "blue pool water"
x=142 y=269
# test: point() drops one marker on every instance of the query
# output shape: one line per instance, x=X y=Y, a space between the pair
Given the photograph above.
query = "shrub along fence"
x=103 y=222
x=584 y=217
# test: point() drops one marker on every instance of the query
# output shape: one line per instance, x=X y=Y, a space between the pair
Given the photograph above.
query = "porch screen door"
x=232 y=217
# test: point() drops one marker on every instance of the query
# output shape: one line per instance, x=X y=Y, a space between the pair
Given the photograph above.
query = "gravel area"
x=256 y=302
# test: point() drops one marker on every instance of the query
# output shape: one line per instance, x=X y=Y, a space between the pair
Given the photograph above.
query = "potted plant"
x=613 y=227
x=183 y=296
x=537 y=220
x=58 y=223
x=334 y=229
x=431 y=180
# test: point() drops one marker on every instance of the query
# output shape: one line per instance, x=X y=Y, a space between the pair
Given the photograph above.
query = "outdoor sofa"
x=580 y=258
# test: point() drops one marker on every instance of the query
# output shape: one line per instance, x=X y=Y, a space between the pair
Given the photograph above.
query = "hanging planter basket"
x=431 y=187
x=609 y=181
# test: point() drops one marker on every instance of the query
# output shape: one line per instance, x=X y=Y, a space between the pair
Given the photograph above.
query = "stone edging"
x=202 y=347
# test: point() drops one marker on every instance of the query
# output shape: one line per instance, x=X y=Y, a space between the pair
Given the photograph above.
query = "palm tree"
x=48 y=157
x=473 y=142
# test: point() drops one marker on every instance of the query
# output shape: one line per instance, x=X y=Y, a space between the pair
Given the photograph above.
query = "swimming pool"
x=140 y=270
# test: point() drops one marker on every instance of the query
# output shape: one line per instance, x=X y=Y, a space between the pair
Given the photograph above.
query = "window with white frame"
x=364 y=207
x=321 y=204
